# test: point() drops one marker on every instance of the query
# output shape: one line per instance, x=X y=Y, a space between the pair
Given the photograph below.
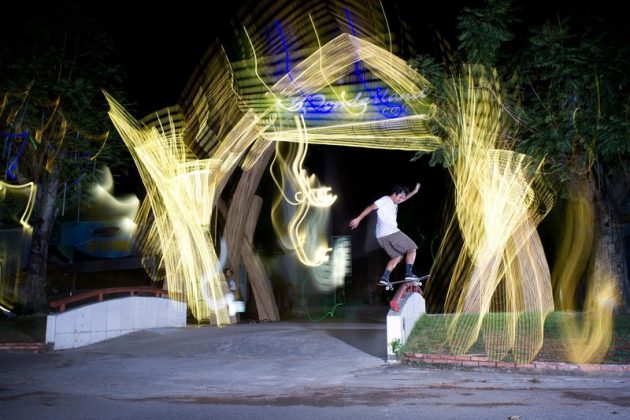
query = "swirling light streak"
x=502 y=267
x=107 y=205
x=181 y=190
x=304 y=232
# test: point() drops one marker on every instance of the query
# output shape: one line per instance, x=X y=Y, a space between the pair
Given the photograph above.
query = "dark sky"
x=160 y=47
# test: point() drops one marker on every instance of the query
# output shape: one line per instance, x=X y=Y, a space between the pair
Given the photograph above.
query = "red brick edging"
x=23 y=346
x=482 y=361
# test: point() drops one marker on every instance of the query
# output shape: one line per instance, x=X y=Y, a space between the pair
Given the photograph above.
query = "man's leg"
x=391 y=264
x=410 y=257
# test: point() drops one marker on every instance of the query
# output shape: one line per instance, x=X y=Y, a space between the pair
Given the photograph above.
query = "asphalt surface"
x=282 y=370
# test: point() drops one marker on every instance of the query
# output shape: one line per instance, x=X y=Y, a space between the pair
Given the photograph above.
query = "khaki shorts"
x=396 y=244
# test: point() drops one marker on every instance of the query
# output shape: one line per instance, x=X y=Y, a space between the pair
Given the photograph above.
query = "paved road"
x=282 y=370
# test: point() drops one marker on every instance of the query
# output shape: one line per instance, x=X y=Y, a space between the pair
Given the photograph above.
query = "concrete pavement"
x=281 y=370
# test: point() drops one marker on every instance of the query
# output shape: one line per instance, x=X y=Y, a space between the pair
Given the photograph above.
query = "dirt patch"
x=587 y=396
x=329 y=397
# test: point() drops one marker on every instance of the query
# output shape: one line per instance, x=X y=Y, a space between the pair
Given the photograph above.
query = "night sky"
x=159 y=46
x=156 y=79
x=186 y=28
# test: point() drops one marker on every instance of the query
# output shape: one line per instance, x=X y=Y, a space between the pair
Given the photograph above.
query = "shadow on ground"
x=371 y=341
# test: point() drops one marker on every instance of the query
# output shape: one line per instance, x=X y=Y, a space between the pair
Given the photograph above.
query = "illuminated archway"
x=347 y=92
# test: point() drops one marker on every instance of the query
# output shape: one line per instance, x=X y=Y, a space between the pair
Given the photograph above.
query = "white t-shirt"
x=386 y=223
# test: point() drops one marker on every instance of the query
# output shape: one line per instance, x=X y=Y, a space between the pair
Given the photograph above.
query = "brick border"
x=469 y=361
x=23 y=346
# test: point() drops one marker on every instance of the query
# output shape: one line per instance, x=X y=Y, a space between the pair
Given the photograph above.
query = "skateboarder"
x=389 y=237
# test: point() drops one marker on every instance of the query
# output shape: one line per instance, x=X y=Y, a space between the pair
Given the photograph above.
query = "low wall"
x=103 y=320
x=400 y=323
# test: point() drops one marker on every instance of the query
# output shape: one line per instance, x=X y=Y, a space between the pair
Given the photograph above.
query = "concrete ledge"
x=470 y=361
x=103 y=320
x=400 y=323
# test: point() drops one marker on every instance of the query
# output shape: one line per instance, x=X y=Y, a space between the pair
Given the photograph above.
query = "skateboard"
x=419 y=282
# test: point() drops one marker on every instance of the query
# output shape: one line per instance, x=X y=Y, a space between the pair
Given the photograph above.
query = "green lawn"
x=430 y=336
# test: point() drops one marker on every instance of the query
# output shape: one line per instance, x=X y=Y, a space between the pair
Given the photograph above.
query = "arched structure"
x=346 y=91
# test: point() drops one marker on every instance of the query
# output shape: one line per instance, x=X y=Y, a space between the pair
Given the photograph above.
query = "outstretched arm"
x=369 y=209
x=412 y=193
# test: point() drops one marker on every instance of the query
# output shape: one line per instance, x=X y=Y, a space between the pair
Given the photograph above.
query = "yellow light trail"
x=107 y=206
x=181 y=190
x=305 y=233
x=11 y=254
x=31 y=189
x=498 y=205
x=587 y=334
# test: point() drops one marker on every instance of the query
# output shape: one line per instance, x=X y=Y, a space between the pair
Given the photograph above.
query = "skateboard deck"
x=390 y=285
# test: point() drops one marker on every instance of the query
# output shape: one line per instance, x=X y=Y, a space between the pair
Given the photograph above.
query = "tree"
x=55 y=64
x=575 y=109
x=569 y=77
x=483 y=31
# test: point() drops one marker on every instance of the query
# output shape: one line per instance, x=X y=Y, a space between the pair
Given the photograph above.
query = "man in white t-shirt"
x=389 y=237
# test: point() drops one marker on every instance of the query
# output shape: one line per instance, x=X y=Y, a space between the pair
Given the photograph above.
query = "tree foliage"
x=53 y=116
x=575 y=101
x=565 y=79
x=54 y=65
x=483 y=31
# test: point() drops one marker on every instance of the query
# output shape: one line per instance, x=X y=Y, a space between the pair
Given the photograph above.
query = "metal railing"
x=101 y=293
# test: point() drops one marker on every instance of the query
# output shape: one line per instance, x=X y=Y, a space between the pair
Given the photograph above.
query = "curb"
x=23 y=346
x=486 y=362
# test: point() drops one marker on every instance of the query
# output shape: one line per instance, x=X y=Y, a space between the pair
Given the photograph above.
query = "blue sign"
x=103 y=239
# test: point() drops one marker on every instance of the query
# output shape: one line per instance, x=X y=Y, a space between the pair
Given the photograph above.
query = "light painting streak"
x=107 y=205
x=305 y=232
x=11 y=253
x=20 y=189
x=501 y=282
x=587 y=334
x=181 y=190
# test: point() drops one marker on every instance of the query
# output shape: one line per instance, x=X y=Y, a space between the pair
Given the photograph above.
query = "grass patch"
x=430 y=336
x=28 y=329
